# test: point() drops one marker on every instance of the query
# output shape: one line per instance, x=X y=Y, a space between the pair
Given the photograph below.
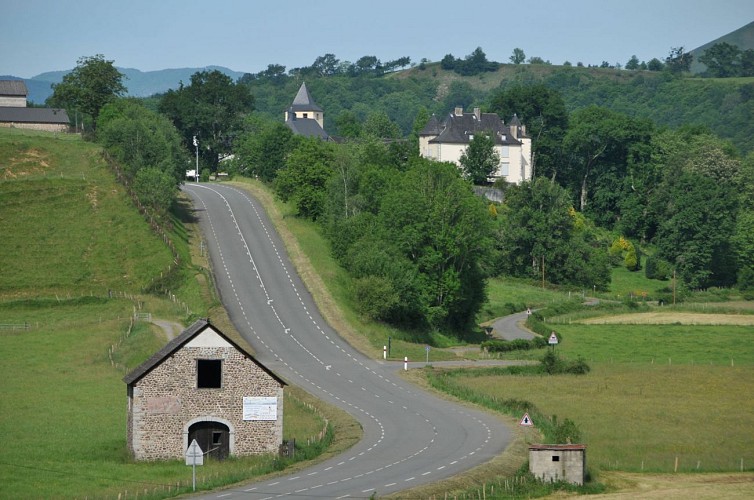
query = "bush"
x=554 y=364
x=498 y=345
x=656 y=268
x=746 y=278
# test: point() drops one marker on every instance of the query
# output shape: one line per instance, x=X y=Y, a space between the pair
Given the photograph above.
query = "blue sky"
x=48 y=35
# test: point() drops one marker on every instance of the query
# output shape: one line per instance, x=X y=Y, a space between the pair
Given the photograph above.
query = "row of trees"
x=328 y=65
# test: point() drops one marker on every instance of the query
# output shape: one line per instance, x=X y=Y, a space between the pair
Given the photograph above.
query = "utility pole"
x=196 y=145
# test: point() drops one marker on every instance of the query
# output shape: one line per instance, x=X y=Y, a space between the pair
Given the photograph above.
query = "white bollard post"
x=405 y=363
x=384 y=352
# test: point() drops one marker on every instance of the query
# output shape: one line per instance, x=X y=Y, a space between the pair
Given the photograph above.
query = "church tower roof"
x=303 y=101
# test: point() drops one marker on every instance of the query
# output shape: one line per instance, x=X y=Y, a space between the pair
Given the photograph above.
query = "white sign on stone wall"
x=260 y=408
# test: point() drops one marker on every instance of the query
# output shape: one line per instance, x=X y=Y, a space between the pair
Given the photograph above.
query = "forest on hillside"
x=724 y=105
x=610 y=186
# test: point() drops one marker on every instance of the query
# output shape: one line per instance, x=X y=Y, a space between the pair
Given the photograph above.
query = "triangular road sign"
x=194 y=454
x=526 y=421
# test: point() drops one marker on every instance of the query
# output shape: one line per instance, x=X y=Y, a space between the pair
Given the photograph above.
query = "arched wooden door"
x=213 y=438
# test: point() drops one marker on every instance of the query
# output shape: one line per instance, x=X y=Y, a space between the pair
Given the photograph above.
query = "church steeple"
x=304 y=107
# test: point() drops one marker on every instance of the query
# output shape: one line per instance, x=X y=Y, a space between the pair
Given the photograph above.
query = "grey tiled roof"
x=303 y=101
x=177 y=343
x=33 y=115
x=13 y=88
x=458 y=129
x=432 y=127
x=307 y=127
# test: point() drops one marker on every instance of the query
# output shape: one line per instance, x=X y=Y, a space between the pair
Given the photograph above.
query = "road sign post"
x=194 y=457
x=427 y=349
x=553 y=340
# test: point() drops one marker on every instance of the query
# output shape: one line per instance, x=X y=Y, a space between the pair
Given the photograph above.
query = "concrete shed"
x=558 y=462
x=203 y=386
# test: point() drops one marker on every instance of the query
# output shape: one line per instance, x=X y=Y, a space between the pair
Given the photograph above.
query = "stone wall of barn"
x=166 y=401
x=49 y=127
x=566 y=462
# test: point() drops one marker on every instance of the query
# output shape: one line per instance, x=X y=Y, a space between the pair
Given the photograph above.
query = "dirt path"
x=170 y=328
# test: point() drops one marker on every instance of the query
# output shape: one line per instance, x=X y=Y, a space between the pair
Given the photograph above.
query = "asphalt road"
x=410 y=437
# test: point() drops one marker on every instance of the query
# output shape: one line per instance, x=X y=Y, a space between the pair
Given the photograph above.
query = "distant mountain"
x=743 y=38
x=139 y=83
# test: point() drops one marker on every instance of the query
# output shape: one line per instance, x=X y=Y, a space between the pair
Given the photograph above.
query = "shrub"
x=656 y=268
x=498 y=345
x=554 y=364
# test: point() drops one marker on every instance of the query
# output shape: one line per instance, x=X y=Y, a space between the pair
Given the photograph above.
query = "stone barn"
x=203 y=386
x=558 y=462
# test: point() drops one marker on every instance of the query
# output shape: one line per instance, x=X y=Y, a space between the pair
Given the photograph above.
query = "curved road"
x=410 y=437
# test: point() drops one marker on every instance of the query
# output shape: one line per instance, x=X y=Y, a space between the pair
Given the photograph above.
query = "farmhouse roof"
x=308 y=127
x=459 y=128
x=33 y=115
x=178 y=342
x=13 y=88
x=557 y=447
x=303 y=101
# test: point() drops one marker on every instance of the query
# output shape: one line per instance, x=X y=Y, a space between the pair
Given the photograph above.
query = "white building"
x=448 y=140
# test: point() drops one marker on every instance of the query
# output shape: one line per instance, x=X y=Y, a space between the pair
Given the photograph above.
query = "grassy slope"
x=66 y=229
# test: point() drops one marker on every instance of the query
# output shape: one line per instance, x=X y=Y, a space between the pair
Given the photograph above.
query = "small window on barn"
x=556 y=458
x=209 y=373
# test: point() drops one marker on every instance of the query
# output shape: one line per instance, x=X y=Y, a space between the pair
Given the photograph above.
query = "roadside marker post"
x=384 y=352
x=405 y=363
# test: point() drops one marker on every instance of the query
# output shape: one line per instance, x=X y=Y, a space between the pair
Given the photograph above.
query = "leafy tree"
x=305 y=176
x=92 y=84
x=155 y=188
x=368 y=65
x=747 y=62
x=212 y=108
x=655 y=64
x=139 y=138
x=401 y=62
x=536 y=60
x=326 y=65
x=518 y=56
x=448 y=62
x=479 y=161
x=348 y=124
x=679 y=61
x=722 y=60
x=632 y=63
x=601 y=144
x=378 y=124
x=264 y=147
x=538 y=224
x=543 y=111
x=698 y=217
x=439 y=225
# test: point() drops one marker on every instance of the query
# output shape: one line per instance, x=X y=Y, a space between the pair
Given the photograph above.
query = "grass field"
x=638 y=418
